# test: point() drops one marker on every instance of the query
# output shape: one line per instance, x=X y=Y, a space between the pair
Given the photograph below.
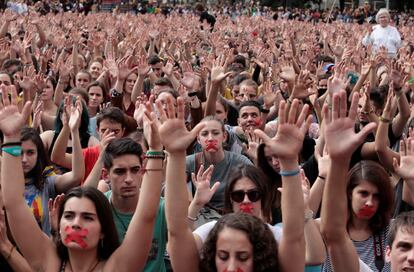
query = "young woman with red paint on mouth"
x=182 y=245
x=87 y=239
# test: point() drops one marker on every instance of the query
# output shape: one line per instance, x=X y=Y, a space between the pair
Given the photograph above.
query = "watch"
x=115 y=93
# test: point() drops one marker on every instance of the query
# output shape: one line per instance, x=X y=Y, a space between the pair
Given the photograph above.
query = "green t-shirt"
x=155 y=261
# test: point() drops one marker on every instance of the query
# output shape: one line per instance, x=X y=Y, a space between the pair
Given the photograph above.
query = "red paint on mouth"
x=211 y=145
x=76 y=236
x=366 y=212
x=246 y=207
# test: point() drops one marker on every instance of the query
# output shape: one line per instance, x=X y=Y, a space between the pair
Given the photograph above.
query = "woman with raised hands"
x=87 y=238
x=182 y=244
x=335 y=205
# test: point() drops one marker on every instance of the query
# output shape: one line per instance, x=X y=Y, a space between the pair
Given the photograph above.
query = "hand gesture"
x=107 y=137
x=201 y=182
x=75 y=115
x=172 y=130
x=189 y=78
x=341 y=139
x=338 y=81
x=396 y=74
x=151 y=125
x=123 y=70
x=305 y=187
x=37 y=115
x=11 y=120
x=54 y=206
x=300 y=89
x=253 y=145
x=168 y=68
x=218 y=71
x=143 y=67
x=405 y=168
x=287 y=72
x=290 y=133
x=269 y=97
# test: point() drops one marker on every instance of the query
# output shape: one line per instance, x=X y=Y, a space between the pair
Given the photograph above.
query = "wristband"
x=289 y=173
x=384 y=120
x=11 y=144
x=15 y=151
x=192 y=94
x=155 y=155
x=265 y=111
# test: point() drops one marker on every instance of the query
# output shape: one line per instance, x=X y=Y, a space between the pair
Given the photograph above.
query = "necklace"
x=125 y=228
x=89 y=270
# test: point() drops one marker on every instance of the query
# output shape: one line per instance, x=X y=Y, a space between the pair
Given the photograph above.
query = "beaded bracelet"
x=155 y=155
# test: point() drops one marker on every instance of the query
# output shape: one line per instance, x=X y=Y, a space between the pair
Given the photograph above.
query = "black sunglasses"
x=238 y=196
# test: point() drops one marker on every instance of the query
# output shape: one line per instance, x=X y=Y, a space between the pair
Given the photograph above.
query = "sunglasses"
x=252 y=195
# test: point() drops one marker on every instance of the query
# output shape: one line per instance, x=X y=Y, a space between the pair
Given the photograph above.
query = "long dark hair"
x=262 y=185
x=265 y=252
x=30 y=134
x=375 y=174
x=84 y=125
x=110 y=241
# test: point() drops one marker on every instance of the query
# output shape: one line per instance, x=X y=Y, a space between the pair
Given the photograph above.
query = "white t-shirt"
x=384 y=36
x=205 y=229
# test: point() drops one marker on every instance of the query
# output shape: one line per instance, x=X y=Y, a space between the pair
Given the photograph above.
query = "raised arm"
x=133 y=252
x=382 y=145
x=59 y=155
x=340 y=129
x=287 y=144
x=22 y=223
x=74 y=177
x=176 y=139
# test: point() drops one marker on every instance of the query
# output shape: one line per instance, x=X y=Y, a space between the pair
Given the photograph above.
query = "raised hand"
x=338 y=81
x=201 y=182
x=151 y=126
x=300 y=89
x=11 y=120
x=143 y=67
x=123 y=68
x=290 y=133
x=405 y=168
x=173 y=133
x=54 y=206
x=341 y=139
x=188 y=79
x=75 y=115
x=218 y=73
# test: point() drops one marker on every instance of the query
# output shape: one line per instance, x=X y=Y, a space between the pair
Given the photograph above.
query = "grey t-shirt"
x=221 y=173
x=37 y=200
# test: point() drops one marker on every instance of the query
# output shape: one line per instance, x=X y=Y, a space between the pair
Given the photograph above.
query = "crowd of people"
x=206 y=141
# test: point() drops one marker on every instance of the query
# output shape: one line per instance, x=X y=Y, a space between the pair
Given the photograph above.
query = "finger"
x=27 y=109
x=395 y=164
x=335 y=106
x=193 y=179
x=194 y=132
x=409 y=147
x=215 y=186
x=13 y=95
x=259 y=133
x=342 y=105
x=302 y=115
x=161 y=112
x=354 y=106
x=4 y=96
x=170 y=108
x=292 y=111
x=200 y=172
x=282 y=113
x=402 y=147
x=180 y=108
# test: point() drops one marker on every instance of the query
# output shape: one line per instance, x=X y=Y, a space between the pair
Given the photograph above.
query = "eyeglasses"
x=252 y=195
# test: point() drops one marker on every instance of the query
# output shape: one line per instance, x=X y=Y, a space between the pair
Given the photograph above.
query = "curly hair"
x=265 y=252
